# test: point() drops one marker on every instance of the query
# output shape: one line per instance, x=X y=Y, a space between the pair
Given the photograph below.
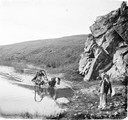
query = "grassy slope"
x=50 y=53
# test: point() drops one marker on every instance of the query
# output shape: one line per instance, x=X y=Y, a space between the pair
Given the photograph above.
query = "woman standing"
x=105 y=86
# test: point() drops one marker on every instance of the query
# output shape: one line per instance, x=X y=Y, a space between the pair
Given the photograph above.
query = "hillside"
x=49 y=53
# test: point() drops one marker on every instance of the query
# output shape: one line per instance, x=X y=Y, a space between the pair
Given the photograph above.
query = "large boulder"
x=120 y=61
x=84 y=63
x=103 y=23
x=122 y=30
x=108 y=43
x=121 y=26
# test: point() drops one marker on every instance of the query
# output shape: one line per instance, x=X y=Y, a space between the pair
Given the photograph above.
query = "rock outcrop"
x=106 y=49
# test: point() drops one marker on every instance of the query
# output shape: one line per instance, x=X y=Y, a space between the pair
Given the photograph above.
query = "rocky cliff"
x=106 y=48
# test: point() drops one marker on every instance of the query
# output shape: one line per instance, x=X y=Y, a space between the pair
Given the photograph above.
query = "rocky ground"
x=84 y=105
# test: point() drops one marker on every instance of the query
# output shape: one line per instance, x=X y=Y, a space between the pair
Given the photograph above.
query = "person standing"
x=105 y=86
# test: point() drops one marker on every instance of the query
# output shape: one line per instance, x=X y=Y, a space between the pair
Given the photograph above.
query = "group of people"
x=41 y=79
x=104 y=87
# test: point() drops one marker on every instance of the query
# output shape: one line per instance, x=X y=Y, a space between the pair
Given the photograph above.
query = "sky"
x=24 y=20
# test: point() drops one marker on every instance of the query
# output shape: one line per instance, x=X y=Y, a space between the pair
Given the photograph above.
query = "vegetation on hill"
x=61 y=53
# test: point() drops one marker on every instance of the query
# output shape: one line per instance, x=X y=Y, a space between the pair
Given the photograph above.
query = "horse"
x=54 y=81
x=49 y=90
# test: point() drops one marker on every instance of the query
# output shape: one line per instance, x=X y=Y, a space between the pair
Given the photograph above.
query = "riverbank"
x=83 y=104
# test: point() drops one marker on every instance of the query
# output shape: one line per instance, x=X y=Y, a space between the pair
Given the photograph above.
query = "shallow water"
x=16 y=100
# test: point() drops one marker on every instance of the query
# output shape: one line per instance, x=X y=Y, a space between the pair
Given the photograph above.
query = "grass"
x=50 y=53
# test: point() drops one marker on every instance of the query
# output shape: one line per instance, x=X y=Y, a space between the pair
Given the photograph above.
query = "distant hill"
x=50 y=53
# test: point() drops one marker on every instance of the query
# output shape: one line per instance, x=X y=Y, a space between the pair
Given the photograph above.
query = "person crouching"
x=105 y=86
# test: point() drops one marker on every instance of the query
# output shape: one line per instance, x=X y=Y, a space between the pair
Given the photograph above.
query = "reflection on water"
x=17 y=100
x=50 y=91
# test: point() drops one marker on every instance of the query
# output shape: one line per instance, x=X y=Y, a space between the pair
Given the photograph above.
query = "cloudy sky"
x=24 y=20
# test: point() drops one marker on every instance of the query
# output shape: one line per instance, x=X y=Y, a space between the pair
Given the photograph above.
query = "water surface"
x=17 y=99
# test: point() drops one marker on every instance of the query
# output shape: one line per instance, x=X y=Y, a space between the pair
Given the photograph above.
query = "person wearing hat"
x=105 y=86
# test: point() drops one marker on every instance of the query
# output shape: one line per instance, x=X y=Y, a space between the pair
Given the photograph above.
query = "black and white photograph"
x=63 y=59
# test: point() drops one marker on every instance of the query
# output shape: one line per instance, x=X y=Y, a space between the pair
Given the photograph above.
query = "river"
x=15 y=99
